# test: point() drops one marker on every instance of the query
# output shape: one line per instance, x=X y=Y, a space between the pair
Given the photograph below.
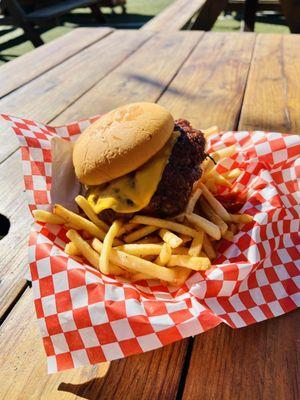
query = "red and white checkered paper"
x=86 y=317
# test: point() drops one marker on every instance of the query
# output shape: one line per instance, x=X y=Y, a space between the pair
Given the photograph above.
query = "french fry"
x=233 y=228
x=179 y=217
x=204 y=224
x=203 y=254
x=226 y=152
x=72 y=250
x=137 y=264
x=48 y=217
x=228 y=236
x=126 y=228
x=170 y=238
x=209 y=212
x=140 y=250
x=164 y=255
x=208 y=248
x=241 y=218
x=148 y=258
x=166 y=224
x=210 y=131
x=185 y=238
x=140 y=233
x=149 y=240
x=233 y=174
x=86 y=235
x=86 y=207
x=140 y=277
x=214 y=176
x=182 y=275
x=107 y=246
x=219 y=179
x=215 y=204
x=180 y=250
x=211 y=186
x=194 y=263
x=208 y=164
x=80 y=222
x=90 y=254
x=196 y=245
x=193 y=200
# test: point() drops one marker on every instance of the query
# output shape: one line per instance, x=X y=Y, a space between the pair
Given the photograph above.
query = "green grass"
x=13 y=43
x=265 y=23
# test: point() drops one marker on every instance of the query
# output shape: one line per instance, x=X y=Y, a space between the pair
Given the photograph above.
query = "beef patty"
x=182 y=170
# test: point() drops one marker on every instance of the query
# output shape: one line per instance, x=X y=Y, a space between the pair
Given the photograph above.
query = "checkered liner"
x=86 y=317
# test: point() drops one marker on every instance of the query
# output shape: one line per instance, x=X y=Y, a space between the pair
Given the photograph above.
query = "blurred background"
x=130 y=14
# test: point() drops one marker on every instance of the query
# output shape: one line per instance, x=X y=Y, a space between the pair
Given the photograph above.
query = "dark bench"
x=17 y=15
x=192 y=14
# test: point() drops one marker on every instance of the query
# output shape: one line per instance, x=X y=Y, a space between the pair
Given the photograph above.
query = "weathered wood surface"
x=145 y=74
x=204 y=78
x=257 y=362
x=29 y=66
x=208 y=90
x=13 y=247
x=153 y=375
x=175 y=16
x=49 y=94
x=272 y=97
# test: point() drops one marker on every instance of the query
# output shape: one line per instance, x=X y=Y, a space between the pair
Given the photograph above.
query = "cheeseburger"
x=136 y=158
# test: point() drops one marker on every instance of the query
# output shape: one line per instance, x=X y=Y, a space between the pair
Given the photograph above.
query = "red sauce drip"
x=233 y=201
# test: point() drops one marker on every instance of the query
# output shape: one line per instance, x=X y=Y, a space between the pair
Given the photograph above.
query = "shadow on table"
x=83 y=390
x=113 y=19
x=152 y=82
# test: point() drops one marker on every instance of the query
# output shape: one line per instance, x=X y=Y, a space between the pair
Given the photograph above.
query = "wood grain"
x=272 y=100
x=258 y=362
x=152 y=375
x=142 y=76
x=209 y=88
x=48 y=95
x=13 y=247
x=175 y=16
x=23 y=69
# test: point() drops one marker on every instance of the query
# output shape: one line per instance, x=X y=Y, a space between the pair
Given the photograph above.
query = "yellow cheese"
x=132 y=192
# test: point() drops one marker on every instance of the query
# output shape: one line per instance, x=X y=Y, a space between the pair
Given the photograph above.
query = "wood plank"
x=13 y=247
x=209 y=88
x=144 y=75
x=152 y=375
x=257 y=362
x=49 y=94
x=272 y=94
x=175 y=16
x=23 y=69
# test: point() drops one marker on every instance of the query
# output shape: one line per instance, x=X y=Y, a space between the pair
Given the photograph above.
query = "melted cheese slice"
x=132 y=192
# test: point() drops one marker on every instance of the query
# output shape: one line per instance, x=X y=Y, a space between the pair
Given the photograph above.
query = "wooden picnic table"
x=233 y=80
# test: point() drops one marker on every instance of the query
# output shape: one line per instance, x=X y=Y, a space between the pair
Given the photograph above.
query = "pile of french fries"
x=154 y=248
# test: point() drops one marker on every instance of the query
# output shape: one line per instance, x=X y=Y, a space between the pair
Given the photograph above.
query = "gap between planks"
x=44 y=58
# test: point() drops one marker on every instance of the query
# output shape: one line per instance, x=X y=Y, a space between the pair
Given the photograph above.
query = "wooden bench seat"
x=194 y=14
